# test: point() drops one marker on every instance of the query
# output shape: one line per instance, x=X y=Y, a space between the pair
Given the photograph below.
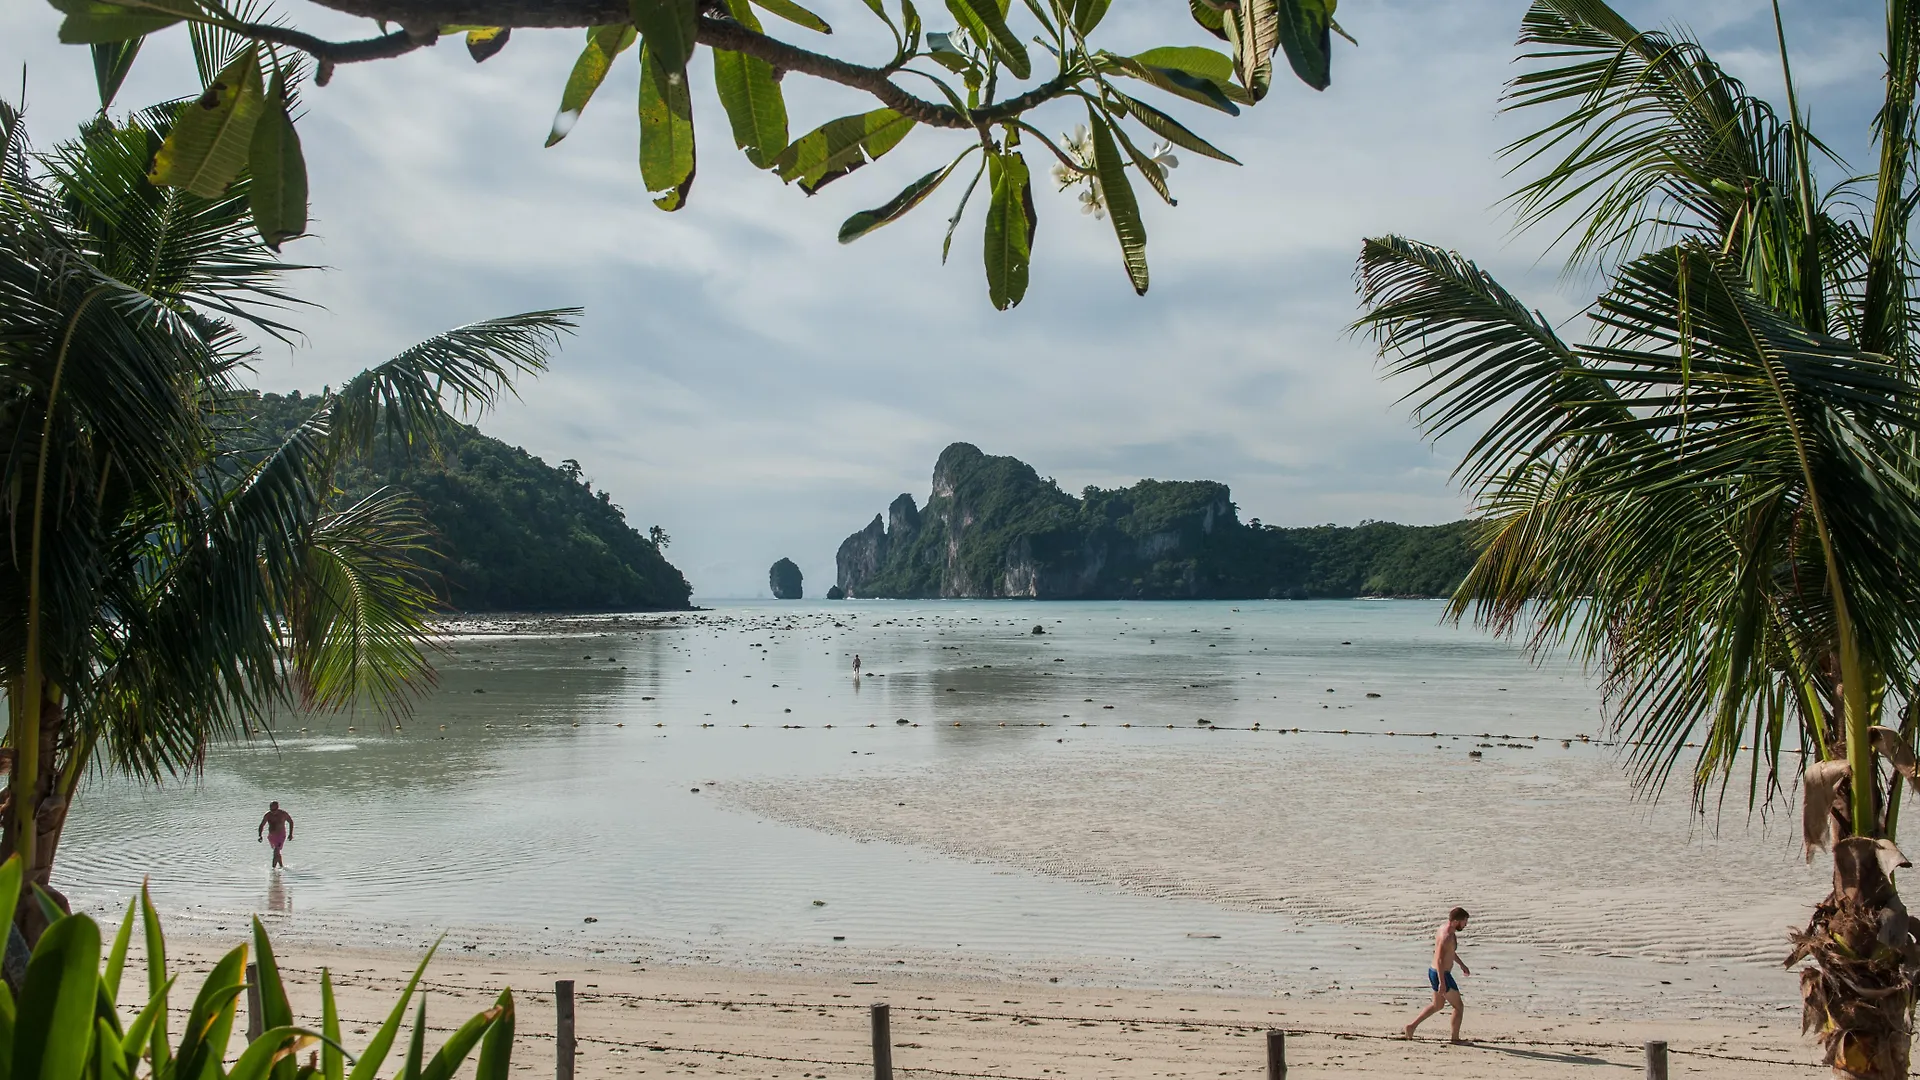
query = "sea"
x=1273 y=797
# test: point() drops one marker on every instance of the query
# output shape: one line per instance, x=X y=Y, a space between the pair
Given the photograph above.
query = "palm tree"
x=1714 y=498
x=166 y=584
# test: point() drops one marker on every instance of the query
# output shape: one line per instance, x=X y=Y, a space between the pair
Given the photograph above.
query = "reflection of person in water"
x=278 y=827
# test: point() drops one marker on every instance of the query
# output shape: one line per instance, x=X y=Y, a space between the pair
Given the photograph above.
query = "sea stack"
x=784 y=579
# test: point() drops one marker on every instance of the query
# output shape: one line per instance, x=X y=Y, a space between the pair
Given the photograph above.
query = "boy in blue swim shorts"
x=1446 y=953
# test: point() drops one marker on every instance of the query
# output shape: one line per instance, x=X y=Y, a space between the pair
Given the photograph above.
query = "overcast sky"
x=761 y=391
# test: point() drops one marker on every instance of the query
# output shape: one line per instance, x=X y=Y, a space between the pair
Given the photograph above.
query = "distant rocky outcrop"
x=784 y=579
x=993 y=527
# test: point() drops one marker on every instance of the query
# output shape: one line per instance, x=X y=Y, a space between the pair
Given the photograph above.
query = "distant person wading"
x=277 y=827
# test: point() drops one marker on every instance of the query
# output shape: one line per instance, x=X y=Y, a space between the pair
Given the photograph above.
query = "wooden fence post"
x=563 y=1029
x=882 y=1043
x=1656 y=1060
x=1276 y=1055
x=256 y=1023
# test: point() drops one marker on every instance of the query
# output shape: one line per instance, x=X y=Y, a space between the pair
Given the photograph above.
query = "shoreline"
x=636 y=1019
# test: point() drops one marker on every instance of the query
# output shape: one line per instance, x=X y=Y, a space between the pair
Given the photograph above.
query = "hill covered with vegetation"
x=992 y=527
x=517 y=534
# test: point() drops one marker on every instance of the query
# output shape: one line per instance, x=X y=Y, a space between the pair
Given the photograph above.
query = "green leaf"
x=840 y=146
x=987 y=21
x=1009 y=234
x=669 y=28
x=795 y=14
x=666 y=131
x=589 y=71
x=1303 y=28
x=111 y=62
x=147 y=1026
x=1122 y=207
x=1087 y=14
x=90 y=22
x=911 y=196
x=417 y=1045
x=1210 y=18
x=496 y=1049
x=332 y=1061
x=946 y=245
x=278 y=193
x=209 y=143
x=203 y=1043
x=274 y=1051
x=1193 y=87
x=375 y=1054
x=1171 y=130
x=117 y=956
x=941 y=49
x=1253 y=28
x=157 y=978
x=109 y=1057
x=485 y=43
x=1144 y=163
x=751 y=95
x=275 y=1012
x=447 y=1060
x=10 y=876
x=53 y=1031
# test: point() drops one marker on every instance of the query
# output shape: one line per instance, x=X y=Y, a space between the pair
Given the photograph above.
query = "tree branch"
x=422 y=17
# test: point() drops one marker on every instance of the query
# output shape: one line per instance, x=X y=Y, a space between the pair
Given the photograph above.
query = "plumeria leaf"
x=485 y=43
x=946 y=245
x=1193 y=87
x=838 y=147
x=895 y=208
x=1209 y=17
x=1122 y=207
x=210 y=140
x=795 y=14
x=1086 y=14
x=589 y=71
x=91 y=22
x=1148 y=167
x=987 y=21
x=751 y=95
x=670 y=28
x=1171 y=130
x=1010 y=224
x=1303 y=29
x=1253 y=28
x=666 y=131
x=278 y=194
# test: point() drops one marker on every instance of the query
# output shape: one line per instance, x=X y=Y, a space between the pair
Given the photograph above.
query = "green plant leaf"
x=895 y=208
x=589 y=71
x=276 y=1049
x=1144 y=164
x=53 y=1030
x=1009 y=233
x=1303 y=28
x=1122 y=208
x=275 y=1012
x=840 y=146
x=1209 y=17
x=670 y=29
x=151 y=1020
x=795 y=14
x=376 y=1052
x=666 y=131
x=485 y=43
x=1253 y=29
x=10 y=875
x=332 y=1061
x=447 y=1060
x=117 y=956
x=1087 y=14
x=1193 y=87
x=278 y=193
x=1170 y=129
x=496 y=1048
x=209 y=143
x=417 y=1045
x=941 y=49
x=157 y=978
x=109 y=1057
x=111 y=62
x=91 y=22
x=751 y=95
x=987 y=21
x=203 y=1042
x=960 y=209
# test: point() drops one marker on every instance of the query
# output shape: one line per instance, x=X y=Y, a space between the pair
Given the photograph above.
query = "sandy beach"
x=694 y=1020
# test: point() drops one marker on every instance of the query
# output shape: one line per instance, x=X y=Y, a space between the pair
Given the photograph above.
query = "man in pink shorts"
x=277 y=826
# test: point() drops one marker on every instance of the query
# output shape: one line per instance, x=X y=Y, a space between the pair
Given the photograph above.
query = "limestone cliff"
x=993 y=527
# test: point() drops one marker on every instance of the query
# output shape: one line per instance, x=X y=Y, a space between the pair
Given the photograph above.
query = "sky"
x=761 y=391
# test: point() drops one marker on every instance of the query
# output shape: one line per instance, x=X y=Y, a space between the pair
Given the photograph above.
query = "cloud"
x=761 y=390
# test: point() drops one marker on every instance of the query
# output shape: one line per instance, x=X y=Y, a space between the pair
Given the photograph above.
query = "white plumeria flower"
x=1163 y=159
x=1093 y=201
x=1064 y=176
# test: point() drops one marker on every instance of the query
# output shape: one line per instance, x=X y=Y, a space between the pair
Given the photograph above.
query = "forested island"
x=993 y=527
x=517 y=534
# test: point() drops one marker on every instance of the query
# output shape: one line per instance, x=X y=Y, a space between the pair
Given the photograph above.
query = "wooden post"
x=1276 y=1055
x=563 y=1029
x=256 y=1022
x=882 y=1043
x=1656 y=1060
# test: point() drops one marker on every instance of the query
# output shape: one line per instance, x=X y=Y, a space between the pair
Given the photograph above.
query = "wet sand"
x=694 y=1020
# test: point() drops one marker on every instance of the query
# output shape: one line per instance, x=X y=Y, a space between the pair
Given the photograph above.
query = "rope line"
x=1220 y=1025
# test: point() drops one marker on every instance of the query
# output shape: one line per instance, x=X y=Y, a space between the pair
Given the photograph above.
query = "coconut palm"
x=165 y=583
x=1713 y=497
